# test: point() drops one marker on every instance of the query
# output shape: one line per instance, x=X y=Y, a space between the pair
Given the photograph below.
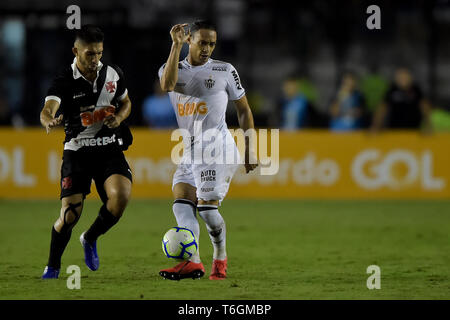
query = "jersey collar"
x=189 y=66
x=77 y=74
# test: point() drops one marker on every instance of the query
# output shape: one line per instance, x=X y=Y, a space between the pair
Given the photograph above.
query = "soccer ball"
x=179 y=243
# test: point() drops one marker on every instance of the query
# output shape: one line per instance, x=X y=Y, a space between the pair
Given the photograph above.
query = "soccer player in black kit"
x=90 y=99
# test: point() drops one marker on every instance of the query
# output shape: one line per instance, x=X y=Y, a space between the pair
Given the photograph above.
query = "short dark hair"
x=202 y=24
x=89 y=34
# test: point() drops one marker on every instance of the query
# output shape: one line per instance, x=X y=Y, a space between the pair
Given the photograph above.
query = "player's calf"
x=215 y=224
x=61 y=233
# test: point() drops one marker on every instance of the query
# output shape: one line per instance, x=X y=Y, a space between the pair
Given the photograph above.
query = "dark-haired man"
x=404 y=105
x=199 y=89
x=92 y=102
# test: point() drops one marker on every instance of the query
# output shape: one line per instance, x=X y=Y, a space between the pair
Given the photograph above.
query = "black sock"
x=105 y=220
x=57 y=245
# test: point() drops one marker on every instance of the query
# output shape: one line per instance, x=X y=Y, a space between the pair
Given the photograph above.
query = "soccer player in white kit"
x=199 y=89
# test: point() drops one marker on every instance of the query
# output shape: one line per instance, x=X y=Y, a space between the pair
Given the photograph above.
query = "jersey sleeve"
x=122 y=90
x=56 y=90
x=234 y=86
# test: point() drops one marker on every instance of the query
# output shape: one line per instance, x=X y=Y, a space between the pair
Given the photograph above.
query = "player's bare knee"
x=69 y=217
x=70 y=214
x=208 y=202
x=117 y=202
x=185 y=191
x=119 y=197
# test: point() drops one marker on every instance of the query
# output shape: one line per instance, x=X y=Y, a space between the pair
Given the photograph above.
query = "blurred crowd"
x=304 y=65
x=360 y=102
x=368 y=102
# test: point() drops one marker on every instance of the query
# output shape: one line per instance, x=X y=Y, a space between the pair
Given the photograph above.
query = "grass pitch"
x=276 y=250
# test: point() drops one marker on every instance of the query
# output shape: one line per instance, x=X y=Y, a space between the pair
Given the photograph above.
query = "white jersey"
x=202 y=93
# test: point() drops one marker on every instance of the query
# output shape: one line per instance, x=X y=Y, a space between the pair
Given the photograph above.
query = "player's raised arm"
x=47 y=116
x=245 y=118
x=170 y=73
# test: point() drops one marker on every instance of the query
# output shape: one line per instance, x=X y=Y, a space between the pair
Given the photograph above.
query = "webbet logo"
x=371 y=170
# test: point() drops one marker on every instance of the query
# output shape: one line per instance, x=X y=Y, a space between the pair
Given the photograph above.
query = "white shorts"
x=211 y=180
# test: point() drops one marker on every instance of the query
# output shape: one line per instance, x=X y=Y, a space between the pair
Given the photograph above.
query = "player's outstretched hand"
x=111 y=121
x=179 y=36
x=53 y=123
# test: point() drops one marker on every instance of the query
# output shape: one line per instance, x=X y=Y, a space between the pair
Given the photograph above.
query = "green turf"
x=276 y=250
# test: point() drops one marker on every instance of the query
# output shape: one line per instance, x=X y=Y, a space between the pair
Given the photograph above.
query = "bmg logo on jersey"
x=88 y=118
x=190 y=108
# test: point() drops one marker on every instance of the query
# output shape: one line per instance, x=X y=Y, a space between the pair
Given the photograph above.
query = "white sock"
x=184 y=211
x=216 y=229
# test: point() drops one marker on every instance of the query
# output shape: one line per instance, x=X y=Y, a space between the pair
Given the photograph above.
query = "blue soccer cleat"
x=90 y=253
x=50 y=273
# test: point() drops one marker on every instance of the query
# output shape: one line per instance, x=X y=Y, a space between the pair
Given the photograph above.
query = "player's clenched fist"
x=112 y=121
x=178 y=34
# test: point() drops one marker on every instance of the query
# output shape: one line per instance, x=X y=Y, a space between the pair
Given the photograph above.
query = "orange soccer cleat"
x=185 y=269
x=219 y=270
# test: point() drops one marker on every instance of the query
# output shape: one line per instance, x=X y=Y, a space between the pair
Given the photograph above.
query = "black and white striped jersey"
x=85 y=105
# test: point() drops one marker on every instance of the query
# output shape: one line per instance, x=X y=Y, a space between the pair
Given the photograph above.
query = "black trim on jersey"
x=101 y=81
x=120 y=90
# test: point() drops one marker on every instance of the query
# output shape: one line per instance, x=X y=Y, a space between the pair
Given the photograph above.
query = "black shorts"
x=79 y=168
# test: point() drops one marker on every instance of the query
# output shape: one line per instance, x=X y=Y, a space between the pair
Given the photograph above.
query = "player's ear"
x=75 y=51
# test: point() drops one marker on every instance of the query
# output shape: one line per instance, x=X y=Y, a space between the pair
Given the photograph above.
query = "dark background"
x=265 y=40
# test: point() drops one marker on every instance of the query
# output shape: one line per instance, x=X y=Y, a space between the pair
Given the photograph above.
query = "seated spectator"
x=157 y=110
x=294 y=105
x=347 y=109
x=404 y=106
